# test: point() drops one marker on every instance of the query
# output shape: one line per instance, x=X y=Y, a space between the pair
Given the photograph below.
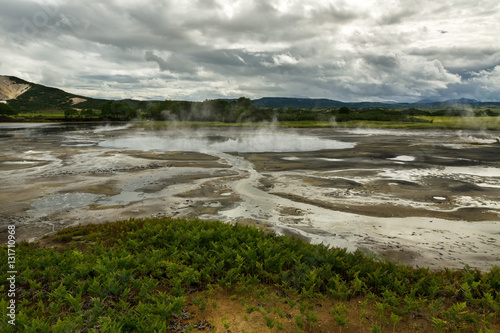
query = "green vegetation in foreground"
x=139 y=275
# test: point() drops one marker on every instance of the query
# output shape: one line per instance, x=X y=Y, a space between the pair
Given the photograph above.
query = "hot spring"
x=226 y=141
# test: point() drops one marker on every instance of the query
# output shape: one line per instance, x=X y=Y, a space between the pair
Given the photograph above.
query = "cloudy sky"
x=362 y=50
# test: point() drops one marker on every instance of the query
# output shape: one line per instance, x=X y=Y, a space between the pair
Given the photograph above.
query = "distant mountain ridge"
x=463 y=100
x=27 y=96
x=297 y=102
x=291 y=102
x=459 y=100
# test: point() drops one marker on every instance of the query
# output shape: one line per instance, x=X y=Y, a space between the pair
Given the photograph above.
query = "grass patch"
x=486 y=123
x=40 y=116
x=159 y=274
x=435 y=122
x=429 y=122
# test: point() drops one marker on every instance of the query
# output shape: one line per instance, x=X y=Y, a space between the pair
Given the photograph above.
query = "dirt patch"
x=390 y=210
x=110 y=187
x=272 y=311
x=166 y=182
x=11 y=90
x=336 y=182
x=77 y=100
x=181 y=159
x=290 y=211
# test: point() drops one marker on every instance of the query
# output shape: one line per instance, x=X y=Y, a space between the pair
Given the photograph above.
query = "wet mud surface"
x=424 y=198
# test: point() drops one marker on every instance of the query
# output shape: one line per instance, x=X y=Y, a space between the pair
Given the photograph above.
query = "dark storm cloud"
x=396 y=16
x=227 y=57
x=174 y=63
x=386 y=63
x=463 y=59
x=197 y=49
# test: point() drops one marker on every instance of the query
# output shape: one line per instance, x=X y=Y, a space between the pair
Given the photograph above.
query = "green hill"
x=38 y=102
x=39 y=97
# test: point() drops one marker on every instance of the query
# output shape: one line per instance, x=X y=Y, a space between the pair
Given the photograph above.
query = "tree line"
x=239 y=110
x=110 y=110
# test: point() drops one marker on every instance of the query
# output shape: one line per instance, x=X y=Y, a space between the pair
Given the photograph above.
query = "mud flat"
x=424 y=198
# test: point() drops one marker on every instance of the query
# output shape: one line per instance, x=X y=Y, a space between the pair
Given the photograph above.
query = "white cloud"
x=282 y=59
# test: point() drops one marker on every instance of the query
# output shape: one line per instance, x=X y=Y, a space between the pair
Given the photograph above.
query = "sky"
x=356 y=50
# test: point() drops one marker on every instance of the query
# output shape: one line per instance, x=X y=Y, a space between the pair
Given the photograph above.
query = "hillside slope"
x=11 y=89
x=26 y=97
x=39 y=97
